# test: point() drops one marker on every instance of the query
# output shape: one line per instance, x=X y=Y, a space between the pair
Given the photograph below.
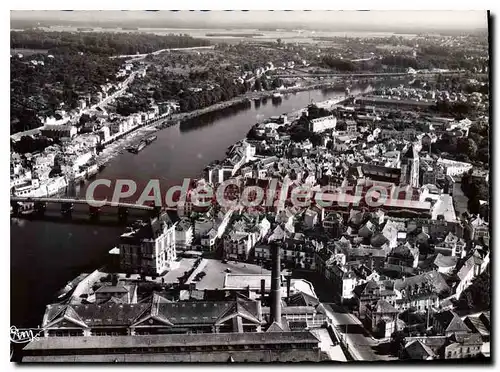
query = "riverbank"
x=178 y=153
x=119 y=146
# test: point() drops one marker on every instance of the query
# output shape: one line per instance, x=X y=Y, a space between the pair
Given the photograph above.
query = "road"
x=361 y=345
x=135 y=57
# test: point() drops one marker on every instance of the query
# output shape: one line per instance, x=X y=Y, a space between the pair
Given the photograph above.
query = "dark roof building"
x=206 y=347
x=448 y=323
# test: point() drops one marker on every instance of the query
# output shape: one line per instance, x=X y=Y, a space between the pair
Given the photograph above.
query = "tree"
x=483 y=154
x=467 y=146
x=278 y=41
x=84 y=119
x=258 y=85
x=478 y=295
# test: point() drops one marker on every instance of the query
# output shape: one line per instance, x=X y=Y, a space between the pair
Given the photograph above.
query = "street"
x=360 y=344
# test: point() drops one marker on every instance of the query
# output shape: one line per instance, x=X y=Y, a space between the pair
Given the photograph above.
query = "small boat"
x=137 y=148
x=151 y=139
x=70 y=286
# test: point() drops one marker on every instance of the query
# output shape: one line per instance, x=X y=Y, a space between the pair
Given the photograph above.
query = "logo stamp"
x=24 y=335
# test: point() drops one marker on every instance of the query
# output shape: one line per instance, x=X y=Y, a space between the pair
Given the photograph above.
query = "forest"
x=40 y=90
x=75 y=66
x=101 y=43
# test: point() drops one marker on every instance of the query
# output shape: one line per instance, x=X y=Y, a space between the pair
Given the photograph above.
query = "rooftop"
x=170 y=340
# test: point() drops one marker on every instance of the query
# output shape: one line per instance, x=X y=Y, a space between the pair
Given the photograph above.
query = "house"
x=310 y=218
x=149 y=247
x=420 y=292
x=477 y=228
x=435 y=344
x=452 y=245
x=463 y=346
x=299 y=252
x=448 y=323
x=319 y=125
x=445 y=264
x=371 y=292
x=367 y=230
x=183 y=234
x=238 y=244
x=208 y=240
x=104 y=134
x=381 y=318
x=119 y=293
x=417 y=350
x=351 y=126
x=468 y=271
x=403 y=258
x=295 y=252
x=454 y=168
x=286 y=218
x=333 y=225
x=480 y=324
x=390 y=232
x=59 y=131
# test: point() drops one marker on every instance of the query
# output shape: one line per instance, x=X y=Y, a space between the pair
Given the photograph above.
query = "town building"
x=59 y=131
x=148 y=248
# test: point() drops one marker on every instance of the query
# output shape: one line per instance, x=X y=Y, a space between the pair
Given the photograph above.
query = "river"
x=45 y=255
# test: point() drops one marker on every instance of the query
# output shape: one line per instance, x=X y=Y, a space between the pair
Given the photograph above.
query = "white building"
x=238 y=244
x=321 y=124
x=149 y=248
x=454 y=168
x=183 y=234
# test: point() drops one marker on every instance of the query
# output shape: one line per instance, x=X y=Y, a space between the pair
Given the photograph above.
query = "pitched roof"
x=467 y=266
x=275 y=327
x=157 y=308
x=201 y=339
x=451 y=322
x=432 y=279
x=378 y=240
x=411 y=153
x=476 y=324
x=383 y=306
x=417 y=350
x=237 y=309
x=302 y=299
x=467 y=339
x=112 y=289
x=445 y=261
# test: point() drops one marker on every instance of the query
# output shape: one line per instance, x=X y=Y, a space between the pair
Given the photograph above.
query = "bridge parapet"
x=18 y=199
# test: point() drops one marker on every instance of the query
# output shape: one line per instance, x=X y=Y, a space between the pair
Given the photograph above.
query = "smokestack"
x=288 y=282
x=276 y=285
x=262 y=290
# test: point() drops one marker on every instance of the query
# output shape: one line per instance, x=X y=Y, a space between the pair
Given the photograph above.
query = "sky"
x=453 y=19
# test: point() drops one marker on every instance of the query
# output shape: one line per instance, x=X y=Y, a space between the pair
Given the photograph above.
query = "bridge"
x=365 y=74
x=37 y=207
x=20 y=199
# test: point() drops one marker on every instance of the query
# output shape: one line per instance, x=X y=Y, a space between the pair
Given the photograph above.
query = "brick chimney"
x=276 y=285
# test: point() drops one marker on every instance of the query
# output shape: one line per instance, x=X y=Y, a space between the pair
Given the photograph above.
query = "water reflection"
x=212 y=117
